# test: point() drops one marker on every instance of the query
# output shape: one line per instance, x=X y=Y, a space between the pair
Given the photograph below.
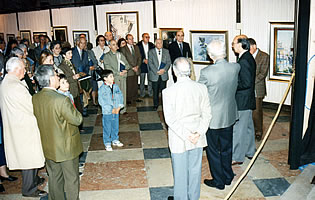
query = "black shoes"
x=40 y=181
x=1 y=188
x=37 y=193
x=155 y=108
x=9 y=178
x=211 y=183
x=170 y=198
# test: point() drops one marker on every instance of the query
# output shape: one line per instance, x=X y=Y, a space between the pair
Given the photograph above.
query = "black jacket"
x=175 y=51
x=144 y=67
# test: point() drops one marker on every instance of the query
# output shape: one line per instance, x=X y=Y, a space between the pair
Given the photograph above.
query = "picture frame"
x=10 y=37
x=281 y=50
x=2 y=36
x=77 y=33
x=26 y=34
x=199 y=39
x=123 y=23
x=168 y=35
x=39 y=33
x=60 y=33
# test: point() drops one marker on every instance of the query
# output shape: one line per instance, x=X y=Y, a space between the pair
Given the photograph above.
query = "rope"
x=263 y=142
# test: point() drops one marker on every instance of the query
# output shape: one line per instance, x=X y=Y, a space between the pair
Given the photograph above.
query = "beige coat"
x=23 y=146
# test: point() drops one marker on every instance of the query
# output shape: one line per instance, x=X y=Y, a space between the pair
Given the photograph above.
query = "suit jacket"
x=186 y=110
x=144 y=67
x=2 y=68
x=58 y=122
x=80 y=63
x=111 y=62
x=153 y=64
x=175 y=51
x=262 y=63
x=65 y=66
x=245 y=95
x=133 y=60
x=221 y=80
x=23 y=146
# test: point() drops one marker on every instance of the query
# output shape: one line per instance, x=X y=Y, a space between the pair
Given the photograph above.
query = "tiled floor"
x=142 y=168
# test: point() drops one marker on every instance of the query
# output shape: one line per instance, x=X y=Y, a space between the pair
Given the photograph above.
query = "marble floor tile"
x=276 y=145
x=145 y=109
x=161 y=115
x=98 y=121
x=128 y=127
x=153 y=139
x=145 y=102
x=114 y=175
x=85 y=137
x=86 y=146
x=120 y=155
x=246 y=190
x=272 y=187
x=121 y=194
x=159 y=172
x=151 y=127
x=148 y=117
x=92 y=111
x=131 y=109
x=278 y=132
x=98 y=130
x=156 y=153
x=129 y=118
x=161 y=193
x=87 y=129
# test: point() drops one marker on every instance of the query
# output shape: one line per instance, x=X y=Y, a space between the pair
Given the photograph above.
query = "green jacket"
x=58 y=123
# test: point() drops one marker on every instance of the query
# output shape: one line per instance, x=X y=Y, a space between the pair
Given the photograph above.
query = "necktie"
x=132 y=51
x=181 y=48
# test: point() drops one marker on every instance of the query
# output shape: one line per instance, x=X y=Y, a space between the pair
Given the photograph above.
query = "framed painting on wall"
x=2 y=36
x=60 y=33
x=10 y=37
x=39 y=33
x=123 y=23
x=76 y=34
x=200 y=40
x=168 y=35
x=26 y=34
x=281 y=50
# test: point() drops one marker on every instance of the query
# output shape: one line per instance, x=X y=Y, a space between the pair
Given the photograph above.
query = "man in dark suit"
x=144 y=47
x=158 y=65
x=244 y=133
x=262 y=63
x=58 y=122
x=179 y=48
x=42 y=46
x=133 y=56
x=2 y=66
x=221 y=80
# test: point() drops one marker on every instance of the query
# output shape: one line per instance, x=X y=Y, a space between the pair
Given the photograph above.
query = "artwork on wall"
x=123 y=23
x=39 y=33
x=60 y=33
x=26 y=34
x=10 y=37
x=200 y=40
x=168 y=35
x=76 y=34
x=281 y=50
x=2 y=36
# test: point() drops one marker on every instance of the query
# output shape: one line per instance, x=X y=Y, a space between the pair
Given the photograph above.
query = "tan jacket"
x=58 y=123
x=73 y=83
x=133 y=60
x=23 y=147
x=262 y=64
x=111 y=63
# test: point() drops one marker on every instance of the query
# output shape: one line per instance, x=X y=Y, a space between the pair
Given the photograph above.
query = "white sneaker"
x=108 y=148
x=117 y=144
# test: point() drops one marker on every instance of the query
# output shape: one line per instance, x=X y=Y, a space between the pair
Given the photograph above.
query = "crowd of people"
x=46 y=86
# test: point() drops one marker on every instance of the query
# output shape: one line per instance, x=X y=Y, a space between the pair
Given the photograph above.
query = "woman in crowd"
x=100 y=50
x=46 y=58
x=121 y=43
x=55 y=47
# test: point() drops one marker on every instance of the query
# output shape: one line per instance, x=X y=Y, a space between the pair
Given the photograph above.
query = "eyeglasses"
x=147 y=36
x=102 y=40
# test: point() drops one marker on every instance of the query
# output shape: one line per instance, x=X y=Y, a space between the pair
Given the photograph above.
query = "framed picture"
x=60 y=33
x=2 y=36
x=77 y=34
x=123 y=23
x=10 y=37
x=26 y=34
x=199 y=42
x=281 y=50
x=168 y=35
x=39 y=33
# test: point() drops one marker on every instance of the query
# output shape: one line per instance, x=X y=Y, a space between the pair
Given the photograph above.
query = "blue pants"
x=110 y=128
x=187 y=174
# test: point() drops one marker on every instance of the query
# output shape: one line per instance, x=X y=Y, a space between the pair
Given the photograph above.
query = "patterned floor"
x=142 y=168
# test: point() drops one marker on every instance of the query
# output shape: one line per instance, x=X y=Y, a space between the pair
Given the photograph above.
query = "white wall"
x=186 y=14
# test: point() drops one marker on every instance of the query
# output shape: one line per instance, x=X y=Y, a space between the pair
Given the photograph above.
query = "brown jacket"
x=262 y=63
x=74 y=85
x=133 y=60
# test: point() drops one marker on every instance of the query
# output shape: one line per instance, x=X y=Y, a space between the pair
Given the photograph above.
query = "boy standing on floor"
x=111 y=100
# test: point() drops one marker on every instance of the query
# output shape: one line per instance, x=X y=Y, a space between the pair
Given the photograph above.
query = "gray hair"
x=182 y=67
x=14 y=63
x=216 y=49
x=17 y=51
x=22 y=46
x=43 y=74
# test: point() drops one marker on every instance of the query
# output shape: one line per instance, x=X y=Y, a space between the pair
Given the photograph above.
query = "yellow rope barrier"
x=262 y=143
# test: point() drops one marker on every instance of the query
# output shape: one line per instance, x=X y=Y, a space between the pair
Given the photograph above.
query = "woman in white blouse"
x=100 y=49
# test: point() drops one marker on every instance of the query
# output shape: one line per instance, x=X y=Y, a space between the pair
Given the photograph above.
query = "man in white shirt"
x=187 y=113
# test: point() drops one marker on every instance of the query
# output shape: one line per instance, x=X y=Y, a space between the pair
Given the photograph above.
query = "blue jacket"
x=110 y=100
x=81 y=65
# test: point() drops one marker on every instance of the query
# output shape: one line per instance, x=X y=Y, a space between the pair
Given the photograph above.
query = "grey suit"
x=158 y=81
x=221 y=80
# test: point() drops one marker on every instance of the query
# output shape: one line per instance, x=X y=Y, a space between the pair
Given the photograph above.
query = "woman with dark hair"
x=55 y=47
x=11 y=44
x=100 y=50
x=121 y=43
x=46 y=58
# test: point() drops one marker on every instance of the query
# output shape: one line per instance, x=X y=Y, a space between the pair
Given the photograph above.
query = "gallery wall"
x=186 y=14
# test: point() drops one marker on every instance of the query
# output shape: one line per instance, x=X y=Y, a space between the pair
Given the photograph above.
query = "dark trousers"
x=157 y=87
x=132 y=88
x=78 y=105
x=258 y=117
x=219 y=154
x=29 y=181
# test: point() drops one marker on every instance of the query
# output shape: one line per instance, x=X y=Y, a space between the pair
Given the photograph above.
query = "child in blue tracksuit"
x=111 y=100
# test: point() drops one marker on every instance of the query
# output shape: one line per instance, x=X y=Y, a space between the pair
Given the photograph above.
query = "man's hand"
x=194 y=137
x=135 y=68
x=114 y=111
x=76 y=76
x=92 y=68
x=123 y=72
x=161 y=72
x=117 y=110
x=145 y=61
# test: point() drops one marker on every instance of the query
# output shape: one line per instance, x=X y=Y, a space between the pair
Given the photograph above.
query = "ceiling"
x=13 y=6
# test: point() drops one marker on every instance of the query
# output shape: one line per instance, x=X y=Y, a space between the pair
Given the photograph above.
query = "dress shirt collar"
x=1 y=51
x=256 y=52
x=240 y=54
